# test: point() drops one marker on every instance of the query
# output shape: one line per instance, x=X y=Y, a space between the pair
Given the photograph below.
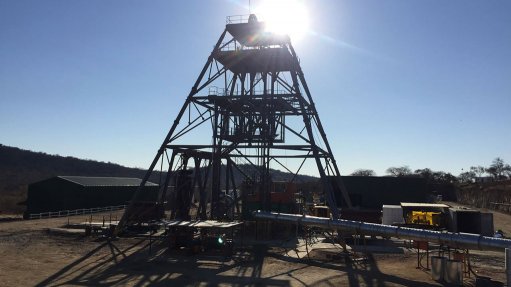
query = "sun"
x=288 y=17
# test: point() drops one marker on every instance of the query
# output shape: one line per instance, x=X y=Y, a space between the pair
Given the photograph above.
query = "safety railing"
x=235 y=46
x=217 y=91
x=230 y=46
x=64 y=213
x=236 y=19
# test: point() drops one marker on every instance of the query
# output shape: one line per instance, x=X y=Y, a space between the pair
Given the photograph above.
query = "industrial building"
x=76 y=192
x=371 y=192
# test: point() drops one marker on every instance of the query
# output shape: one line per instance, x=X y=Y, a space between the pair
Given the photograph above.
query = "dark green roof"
x=105 y=181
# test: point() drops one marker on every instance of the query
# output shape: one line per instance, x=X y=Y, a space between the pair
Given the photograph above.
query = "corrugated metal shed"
x=76 y=192
x=371 y=192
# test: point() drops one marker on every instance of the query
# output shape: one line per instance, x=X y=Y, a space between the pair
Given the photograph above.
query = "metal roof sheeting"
x=105 y=181
x=420 y=204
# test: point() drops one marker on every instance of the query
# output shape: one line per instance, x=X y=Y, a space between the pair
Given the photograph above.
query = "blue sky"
x=417 y=83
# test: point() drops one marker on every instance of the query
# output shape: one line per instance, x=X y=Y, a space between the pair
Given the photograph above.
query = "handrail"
x=236 y=19
x=82 y=211
x=217 y=91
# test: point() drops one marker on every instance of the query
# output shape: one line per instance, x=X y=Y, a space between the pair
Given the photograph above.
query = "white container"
x=392 y=214
x=453 y=272
x=437 y=267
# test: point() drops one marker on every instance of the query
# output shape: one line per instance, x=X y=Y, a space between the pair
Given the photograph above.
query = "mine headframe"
x=250 y=108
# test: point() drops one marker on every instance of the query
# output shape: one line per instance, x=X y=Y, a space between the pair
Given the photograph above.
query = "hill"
x=19 y=168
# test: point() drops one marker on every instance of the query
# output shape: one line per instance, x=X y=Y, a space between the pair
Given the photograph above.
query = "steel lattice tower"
x=252 y=97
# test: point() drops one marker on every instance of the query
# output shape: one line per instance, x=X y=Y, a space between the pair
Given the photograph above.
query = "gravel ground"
x=32 y=256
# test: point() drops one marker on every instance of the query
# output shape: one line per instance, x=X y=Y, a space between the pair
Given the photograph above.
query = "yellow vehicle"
x=430 y=218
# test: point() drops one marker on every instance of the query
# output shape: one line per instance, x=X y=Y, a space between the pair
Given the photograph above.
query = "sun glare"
x=284 y=17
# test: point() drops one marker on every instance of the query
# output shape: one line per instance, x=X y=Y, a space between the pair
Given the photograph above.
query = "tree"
x=466 y=177
x=425 y=173
x=436 y=176
x=399 y=171
x=507 y=170
x=478 y=170
x=498 y=168
x=364 y=172
x=446 y=177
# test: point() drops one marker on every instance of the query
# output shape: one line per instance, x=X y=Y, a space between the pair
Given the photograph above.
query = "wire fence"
x=65 y=213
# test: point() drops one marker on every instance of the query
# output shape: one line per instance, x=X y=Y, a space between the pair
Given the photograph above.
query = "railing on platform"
x=278 y=91
x=64 y=213
x=236 y=19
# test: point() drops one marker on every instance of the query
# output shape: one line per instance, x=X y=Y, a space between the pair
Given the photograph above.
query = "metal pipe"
x=454 y=240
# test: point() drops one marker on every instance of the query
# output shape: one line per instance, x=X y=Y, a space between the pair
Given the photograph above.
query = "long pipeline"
x=454 y=240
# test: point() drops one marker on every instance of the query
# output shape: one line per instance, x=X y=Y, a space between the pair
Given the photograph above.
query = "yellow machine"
x=424 y=218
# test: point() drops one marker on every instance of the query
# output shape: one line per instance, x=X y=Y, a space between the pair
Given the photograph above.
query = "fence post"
x=508 y=266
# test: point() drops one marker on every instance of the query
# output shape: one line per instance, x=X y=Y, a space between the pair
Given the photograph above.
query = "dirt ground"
x=33 y=256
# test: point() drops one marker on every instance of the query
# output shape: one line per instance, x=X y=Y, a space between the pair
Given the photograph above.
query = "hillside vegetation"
x=19 y=168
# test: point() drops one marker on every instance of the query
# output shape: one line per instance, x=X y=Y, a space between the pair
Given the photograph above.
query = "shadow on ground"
x=136 y=264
